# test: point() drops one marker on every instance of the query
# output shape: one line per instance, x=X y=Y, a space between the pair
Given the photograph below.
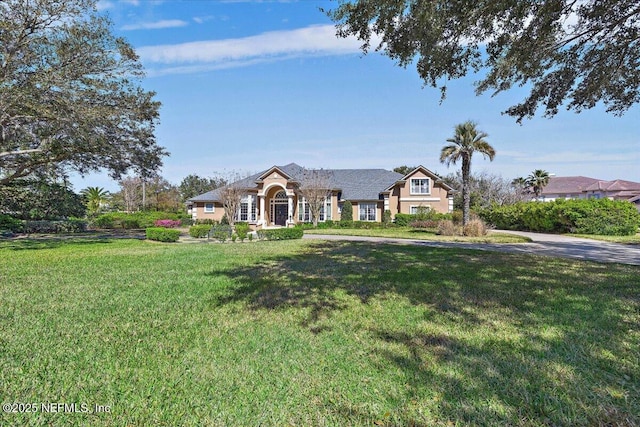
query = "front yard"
x=314 y=333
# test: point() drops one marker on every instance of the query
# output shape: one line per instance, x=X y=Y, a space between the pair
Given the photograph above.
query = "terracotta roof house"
x=582 y=187
x=273 y=197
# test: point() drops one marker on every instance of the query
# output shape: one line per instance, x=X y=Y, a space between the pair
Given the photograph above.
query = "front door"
x=281 y=214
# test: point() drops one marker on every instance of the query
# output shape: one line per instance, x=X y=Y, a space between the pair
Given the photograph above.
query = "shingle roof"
x=617 y=185
x=568 y=184
x=355 y=184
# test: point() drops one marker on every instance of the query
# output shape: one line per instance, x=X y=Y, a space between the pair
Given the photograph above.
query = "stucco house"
x=273 y=198
x=582 y=187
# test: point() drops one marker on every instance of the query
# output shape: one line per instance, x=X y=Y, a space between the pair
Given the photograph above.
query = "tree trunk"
x=466 y=197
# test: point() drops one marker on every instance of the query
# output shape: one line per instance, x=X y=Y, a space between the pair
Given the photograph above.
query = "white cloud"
x=317 y=40
x=158 y=25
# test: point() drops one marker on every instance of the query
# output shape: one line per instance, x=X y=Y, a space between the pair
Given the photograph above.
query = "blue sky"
x=245 y=85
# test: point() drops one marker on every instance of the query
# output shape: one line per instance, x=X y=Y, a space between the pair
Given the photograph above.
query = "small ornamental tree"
x=315 y=188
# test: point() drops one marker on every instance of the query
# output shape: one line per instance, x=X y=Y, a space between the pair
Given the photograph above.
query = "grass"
x=315 y=333
x=419 y=234
x=626 y=240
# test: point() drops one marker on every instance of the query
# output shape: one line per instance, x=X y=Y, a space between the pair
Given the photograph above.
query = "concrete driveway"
x=542 y=244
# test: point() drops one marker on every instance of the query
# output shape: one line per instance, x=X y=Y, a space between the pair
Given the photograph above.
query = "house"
x=582 y=187
x=273 y=197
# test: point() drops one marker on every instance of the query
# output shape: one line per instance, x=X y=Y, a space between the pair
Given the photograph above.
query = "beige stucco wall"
x=198 y=209
x=401 y=199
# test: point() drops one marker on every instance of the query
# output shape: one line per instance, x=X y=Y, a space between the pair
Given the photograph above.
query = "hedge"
x=584 y=216
x=7 y=222
x=199 y=231
x=221 y=232
x=55 y=227
x=162 y=234
x=136 y=220
x=281 y=233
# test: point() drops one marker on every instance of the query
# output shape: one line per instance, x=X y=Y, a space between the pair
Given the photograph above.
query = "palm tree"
x=466 y=141
x=95 y=197
x=537 y=181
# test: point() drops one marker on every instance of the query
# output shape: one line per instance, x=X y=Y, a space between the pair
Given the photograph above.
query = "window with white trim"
x=367 y=211
x=208 y=208
x=420 y=186
x=304 y=214
x=244 y=214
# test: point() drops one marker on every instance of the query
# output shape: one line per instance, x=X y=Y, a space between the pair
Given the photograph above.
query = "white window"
x=208 y=207
x=304 y=214
x=367 y=211
x=420 y=186
x=247 y=210
x=303 y=210
x=413 y=210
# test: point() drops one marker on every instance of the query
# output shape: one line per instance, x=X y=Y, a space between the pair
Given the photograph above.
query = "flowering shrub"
x=167 y=223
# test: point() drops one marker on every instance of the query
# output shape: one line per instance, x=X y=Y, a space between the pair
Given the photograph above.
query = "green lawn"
x=417 y=234
x=310 y=333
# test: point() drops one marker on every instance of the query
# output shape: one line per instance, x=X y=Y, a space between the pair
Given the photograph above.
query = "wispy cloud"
x=158 y=25
x=317 y=40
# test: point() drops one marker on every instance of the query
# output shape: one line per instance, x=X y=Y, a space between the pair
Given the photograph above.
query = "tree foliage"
x=568 y=52
x=40 y=199
x=404 y=170
x=536 y=181
x=95 y=198
x=69 y=93
x=466 y=141
x=485 y=190
x=193 y=185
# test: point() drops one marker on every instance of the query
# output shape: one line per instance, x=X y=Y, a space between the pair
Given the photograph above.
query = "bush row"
x=281 y=233
x=162 y=234
x=137 y=219
x=585 y=216
x=72 y=225
x=199 y=231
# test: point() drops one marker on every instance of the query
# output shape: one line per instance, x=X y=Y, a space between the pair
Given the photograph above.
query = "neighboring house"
x=273 y=198
x=582 y=187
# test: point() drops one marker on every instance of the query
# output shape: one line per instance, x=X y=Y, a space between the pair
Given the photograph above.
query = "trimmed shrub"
x=281 y=233
x=221 y=232
x=242 y=229
x=167 y=223
x=403 y=220
x=162 y=234
x=475 y=228
x=199 y=231
x=8 y=222
x=346 y=215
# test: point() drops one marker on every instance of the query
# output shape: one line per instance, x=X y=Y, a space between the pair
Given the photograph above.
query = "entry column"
x=261 y=209
x=290 y=211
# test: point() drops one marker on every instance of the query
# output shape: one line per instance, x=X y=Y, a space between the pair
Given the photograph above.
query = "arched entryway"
x=279 y=208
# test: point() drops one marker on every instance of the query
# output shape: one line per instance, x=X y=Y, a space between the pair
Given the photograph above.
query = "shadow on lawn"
x=48 y=243
x=568 y=357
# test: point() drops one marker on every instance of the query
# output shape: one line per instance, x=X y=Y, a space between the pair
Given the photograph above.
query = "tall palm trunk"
x=466 y=185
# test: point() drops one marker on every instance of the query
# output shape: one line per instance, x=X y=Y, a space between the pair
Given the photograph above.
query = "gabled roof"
x=355 y=184
x=617 y=185
x=427 y=172
x=568 y=184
